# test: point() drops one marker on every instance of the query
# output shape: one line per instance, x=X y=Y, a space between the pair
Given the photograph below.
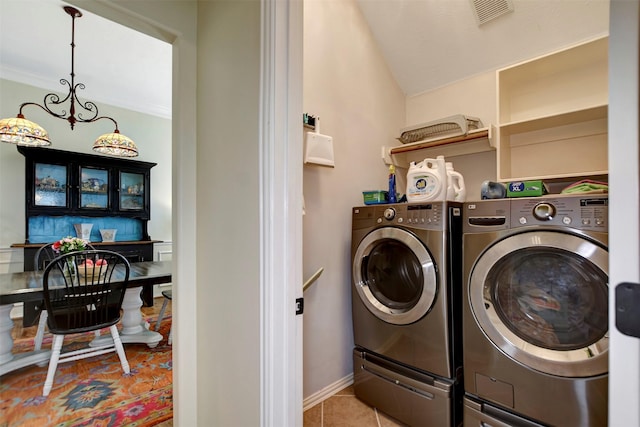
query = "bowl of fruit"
x=92 y=269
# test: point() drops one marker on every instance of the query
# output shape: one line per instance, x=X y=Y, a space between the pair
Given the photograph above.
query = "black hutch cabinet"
x=66 y=183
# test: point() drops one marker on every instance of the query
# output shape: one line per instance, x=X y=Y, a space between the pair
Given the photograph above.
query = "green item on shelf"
x=586 y=186
x=375 y=197
x=526 y=189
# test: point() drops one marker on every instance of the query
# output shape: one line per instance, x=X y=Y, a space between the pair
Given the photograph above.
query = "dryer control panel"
x=426 y=216
x=580 y=212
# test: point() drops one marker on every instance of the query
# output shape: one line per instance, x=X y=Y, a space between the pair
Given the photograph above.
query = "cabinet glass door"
x=131 y=191
x=94 y=188
x=50 y=185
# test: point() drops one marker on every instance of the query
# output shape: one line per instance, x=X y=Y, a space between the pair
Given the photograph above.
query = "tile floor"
x=344 y=409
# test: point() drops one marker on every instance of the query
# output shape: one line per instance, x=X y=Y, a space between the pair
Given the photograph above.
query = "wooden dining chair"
x=168 y=296
x=43 y=256
x=82 y=297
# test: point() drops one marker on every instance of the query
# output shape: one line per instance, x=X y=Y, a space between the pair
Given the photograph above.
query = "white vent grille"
x=487 y=10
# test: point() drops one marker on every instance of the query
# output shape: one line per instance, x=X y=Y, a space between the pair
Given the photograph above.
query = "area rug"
x=94 y=391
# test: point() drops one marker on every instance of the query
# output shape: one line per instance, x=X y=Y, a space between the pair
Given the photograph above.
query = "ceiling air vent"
x=487 y=10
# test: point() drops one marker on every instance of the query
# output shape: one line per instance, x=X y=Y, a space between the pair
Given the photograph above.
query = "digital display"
x=594 y=202
x=419 y=207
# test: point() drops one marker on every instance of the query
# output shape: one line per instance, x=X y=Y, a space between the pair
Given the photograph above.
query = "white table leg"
x=8 y=360
x=6 y=341
x=134 y=329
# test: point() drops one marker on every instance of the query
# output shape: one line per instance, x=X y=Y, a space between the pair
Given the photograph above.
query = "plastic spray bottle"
x=392 y=184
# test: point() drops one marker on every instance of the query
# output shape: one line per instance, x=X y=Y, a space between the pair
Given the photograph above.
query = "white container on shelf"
x=427 y=180
x=108 y=234
x=83 y=231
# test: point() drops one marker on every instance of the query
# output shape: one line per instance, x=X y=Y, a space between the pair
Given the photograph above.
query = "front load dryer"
x=406 y=306
x=535 y=331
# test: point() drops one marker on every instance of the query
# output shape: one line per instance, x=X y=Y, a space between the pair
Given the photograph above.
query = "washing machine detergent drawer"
x=481 y=414
x=409 y=396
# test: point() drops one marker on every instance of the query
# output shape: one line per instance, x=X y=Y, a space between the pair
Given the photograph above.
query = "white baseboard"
x=327 y=392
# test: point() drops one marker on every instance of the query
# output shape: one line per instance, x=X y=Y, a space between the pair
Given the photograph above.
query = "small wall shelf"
x=475 y=141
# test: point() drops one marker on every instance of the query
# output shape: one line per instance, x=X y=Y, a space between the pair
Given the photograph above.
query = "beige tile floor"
x=343 y=409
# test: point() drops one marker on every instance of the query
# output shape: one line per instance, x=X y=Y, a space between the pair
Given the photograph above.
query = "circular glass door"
x=542 y=299
x=395 y=276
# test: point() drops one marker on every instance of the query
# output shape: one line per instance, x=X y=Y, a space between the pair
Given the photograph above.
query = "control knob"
x=544 y=211
x=389 y=213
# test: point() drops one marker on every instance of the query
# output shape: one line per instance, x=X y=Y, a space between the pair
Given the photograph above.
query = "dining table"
x=23 y=287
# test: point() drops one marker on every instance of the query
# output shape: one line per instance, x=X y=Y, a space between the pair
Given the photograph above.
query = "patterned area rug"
x=94 y=391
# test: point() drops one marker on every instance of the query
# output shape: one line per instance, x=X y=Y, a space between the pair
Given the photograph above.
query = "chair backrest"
x=45 y=254
x=83 y=291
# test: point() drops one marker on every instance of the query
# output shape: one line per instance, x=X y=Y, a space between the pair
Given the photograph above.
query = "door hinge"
x=299 y=306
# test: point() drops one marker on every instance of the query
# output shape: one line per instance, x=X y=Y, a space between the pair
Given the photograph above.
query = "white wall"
x=228 y=206
x=475 y=97
x=151 y=134
x=348 y=85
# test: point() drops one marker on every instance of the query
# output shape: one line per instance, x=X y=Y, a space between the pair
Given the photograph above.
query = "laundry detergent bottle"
x=450 y=191
x=392 y=184
x=456 y=191
x=427 y=180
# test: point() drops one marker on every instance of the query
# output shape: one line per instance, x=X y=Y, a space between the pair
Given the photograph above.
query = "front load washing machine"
x=406 y=306
x=535 y=331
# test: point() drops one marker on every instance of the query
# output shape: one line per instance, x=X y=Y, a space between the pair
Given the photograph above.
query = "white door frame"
x=281 y=212
x=624 y=211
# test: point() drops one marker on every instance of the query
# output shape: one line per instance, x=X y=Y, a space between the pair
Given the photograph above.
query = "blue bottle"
x=392 y=184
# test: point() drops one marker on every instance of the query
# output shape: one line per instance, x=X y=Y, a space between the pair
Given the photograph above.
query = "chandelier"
x=18 y=130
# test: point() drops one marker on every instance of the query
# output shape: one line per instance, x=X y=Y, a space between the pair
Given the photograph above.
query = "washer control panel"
x=427 y=216
x=581 y=212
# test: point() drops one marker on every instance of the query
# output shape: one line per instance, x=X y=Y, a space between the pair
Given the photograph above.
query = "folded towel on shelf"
x=586 y=186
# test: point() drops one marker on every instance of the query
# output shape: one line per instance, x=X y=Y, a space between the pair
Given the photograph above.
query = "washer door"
x=395 y=275
x=541 y=297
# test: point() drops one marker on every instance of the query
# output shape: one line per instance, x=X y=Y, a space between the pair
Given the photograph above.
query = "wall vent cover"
x=487 y=10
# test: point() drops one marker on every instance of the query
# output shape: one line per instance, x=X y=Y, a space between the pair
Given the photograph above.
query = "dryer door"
x=395 y=275
x=542 y=297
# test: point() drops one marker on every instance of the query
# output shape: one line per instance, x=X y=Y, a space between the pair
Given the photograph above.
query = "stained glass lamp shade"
x=115 y=144
x=20 y=131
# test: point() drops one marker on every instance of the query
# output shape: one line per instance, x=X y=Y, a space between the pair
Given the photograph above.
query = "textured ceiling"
x=426 y=43
x=429 y=43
